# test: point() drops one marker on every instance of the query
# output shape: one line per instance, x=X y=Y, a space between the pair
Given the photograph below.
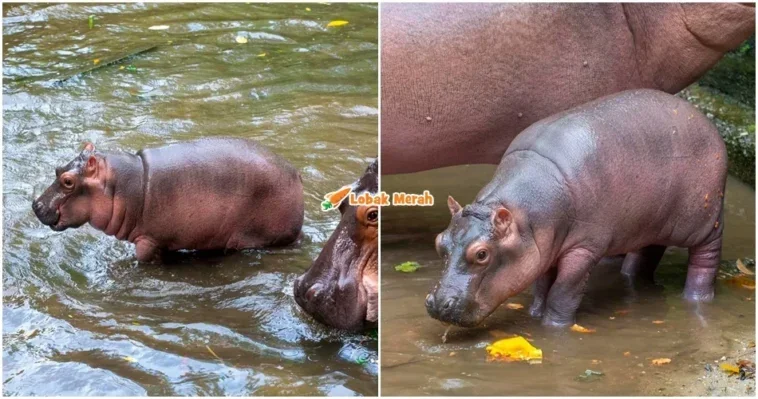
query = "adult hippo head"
x=340 y=287
x=67 y=202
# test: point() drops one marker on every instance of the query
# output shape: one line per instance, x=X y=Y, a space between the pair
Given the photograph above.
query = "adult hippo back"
x=460 y=81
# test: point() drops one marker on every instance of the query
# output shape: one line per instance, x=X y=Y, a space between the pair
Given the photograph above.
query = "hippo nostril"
x=313 y=292
x=449 y=303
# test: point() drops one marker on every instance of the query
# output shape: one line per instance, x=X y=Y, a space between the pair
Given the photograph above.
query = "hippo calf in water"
x=340 y=288
x=630 y=173
x=204 y=194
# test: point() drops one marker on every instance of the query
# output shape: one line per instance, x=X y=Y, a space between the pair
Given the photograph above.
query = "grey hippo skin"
x=633 y=173
x=202 y=195
x=460 y=81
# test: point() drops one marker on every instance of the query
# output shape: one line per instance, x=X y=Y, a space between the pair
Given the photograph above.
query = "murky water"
x=415 y=361
x=80 y=317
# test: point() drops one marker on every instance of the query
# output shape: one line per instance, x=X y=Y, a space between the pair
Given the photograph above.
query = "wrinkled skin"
x=340 y=288
x=460 y=81
x=631 y=173
x=203 y=195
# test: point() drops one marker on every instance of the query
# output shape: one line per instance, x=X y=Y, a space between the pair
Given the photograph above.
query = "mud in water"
x=649 y=322
x=80 y=316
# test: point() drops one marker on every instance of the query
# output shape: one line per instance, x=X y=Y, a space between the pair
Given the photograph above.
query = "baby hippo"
x=204 y=194
x=630 y=173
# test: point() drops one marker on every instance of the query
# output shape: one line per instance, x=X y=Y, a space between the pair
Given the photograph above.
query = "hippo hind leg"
x=642 y=264
x=702 y=267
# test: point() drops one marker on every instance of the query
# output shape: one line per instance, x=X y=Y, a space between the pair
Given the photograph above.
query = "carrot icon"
x=335 y=198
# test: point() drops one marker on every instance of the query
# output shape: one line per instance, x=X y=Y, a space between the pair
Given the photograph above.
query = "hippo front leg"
x=566 y=293
x=540 y=291
x=147 y=251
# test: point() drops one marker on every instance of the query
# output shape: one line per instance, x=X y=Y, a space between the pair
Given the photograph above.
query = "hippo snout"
x=48 y=216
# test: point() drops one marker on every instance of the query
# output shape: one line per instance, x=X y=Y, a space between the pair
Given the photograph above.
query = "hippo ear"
x=89 y=147
x=501 y=220
x=91 y=167
x=453 y=205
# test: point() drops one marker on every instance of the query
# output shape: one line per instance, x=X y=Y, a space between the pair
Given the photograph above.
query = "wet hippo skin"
x=202 y=195
x=460 y=81
x=632 y=173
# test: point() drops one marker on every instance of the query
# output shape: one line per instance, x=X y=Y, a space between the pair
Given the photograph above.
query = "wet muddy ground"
x=80 y=316
x=632 y=327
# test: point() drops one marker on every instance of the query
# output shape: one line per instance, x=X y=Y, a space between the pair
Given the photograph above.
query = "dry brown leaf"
x=580 y=329
x=744 y=268
x=661 y=361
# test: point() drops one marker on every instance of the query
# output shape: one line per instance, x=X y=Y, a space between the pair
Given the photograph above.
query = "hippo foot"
x=699 y=296
x=557 y=321
x=537 y=309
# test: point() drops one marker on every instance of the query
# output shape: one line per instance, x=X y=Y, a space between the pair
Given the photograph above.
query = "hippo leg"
x=701 y=271
x=540 y=290
x=147 y=251
x=570 y=283
x=643 y=262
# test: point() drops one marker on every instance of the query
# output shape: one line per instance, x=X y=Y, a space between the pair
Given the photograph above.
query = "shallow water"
x=80 y=316
x=415 y=361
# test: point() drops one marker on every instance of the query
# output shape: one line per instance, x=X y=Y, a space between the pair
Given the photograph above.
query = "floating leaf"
x=241 y=39
x=407 y=267
x=661 y=361
x=741 y=266
x=130 y=359
x=729 y=368
x=513 y=350
x=91 y=21
x=580 y=329
x=262 y=55
x=158 y=27
x=336 y=23
x=514 y=306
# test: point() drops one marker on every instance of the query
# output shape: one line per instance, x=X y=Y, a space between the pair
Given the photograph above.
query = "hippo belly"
x=213 y=194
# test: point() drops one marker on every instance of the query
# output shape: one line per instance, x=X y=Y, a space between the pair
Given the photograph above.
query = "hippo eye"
x=68 y=182
x=372 y=215
x=482 y=255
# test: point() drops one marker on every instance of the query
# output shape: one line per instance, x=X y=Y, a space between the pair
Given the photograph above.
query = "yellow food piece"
x=658 y=322
x=513 y=350
x=661 y=361
x=130 y=359
x=580 y=329
x=241 y=39
x=96 y=61
x=336 y=23
x=514 y=306
x=729 y=368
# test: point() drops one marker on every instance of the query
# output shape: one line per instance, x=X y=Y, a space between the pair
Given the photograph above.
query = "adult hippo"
x=340 y=288
x=460 y=81
x=204 y=194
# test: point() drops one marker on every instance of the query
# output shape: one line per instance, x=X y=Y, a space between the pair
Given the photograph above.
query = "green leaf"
x=407 y=267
